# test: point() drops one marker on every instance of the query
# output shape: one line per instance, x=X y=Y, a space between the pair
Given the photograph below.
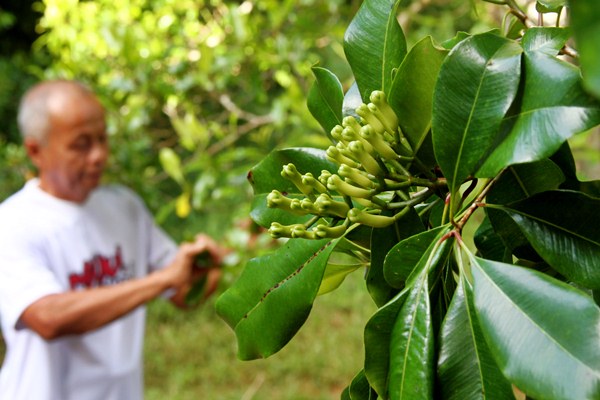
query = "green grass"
x=192 y=355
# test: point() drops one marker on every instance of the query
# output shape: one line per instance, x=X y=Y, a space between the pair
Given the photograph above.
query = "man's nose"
x=99 y=153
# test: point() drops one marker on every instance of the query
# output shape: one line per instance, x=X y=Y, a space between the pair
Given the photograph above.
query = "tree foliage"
x=449 y=180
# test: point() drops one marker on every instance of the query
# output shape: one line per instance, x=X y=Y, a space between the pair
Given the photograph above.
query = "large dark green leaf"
x=274 y=295
x=489 y=244
x=562 y=226
x=404 y=257
x=476 y=86
x=325 y=99
x=374 y=45
x=378 y=330
x=412 y=346
x=266 y=176
x=466 y=368
x=382 y=240
x=584 y=19
x=543 y=333
x=411 y=95
x=360 y=389
x=517 y=183
x=554 y=105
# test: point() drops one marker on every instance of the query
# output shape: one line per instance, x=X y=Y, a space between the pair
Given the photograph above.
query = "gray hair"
x=35 y=111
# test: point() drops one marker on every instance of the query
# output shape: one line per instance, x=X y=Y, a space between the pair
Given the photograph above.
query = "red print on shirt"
x=100 y=271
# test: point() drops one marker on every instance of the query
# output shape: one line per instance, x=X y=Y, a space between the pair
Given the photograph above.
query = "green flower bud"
x=377 y=141
x=384 y=121
x=309 y=180
x=359 y=177
x=352 y=123
x=326 y=205
x=279 y=231
x=324 y=176
x=335 y=183
x=324 y=231
x=299 y=231
x=366 y=160
x=308 y=206
x=296 y=207
x=367 y=115
x=335 y=155
x=379 y=99
x=336 y=132
x=290 y=172
x=376 y=221
x=277 y=200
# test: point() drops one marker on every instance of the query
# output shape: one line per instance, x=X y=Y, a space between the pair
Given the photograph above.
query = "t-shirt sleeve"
x=24 y=277
x=161 y=248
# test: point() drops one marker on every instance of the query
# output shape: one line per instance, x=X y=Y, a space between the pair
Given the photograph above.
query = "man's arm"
x=77 y=312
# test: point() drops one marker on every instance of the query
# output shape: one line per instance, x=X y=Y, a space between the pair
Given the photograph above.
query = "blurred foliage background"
x=197 y=92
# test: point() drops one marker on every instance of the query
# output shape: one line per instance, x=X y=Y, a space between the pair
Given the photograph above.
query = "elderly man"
x=78 y=260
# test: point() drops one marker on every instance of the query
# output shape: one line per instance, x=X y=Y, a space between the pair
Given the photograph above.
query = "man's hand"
x=196 y=261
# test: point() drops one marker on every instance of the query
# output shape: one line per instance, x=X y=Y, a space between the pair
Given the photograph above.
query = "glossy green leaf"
x=325 y=99
x=489 y=244
x=584 y=20
x=466 y=368
x=562 y=226
x=404 y=257
x=517 y=183
x=374 y=45
x=378 y=330
x=360 y=389
x=549 y=113
x=377 y=343
x=411 y=94
x=273 y=297
x=546 y=6
x=412 y=346
x=338 y=267
x=382 y=241
x=543 y=333
x=476 y=85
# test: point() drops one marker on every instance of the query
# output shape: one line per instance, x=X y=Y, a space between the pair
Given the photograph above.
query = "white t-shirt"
x=48 y=245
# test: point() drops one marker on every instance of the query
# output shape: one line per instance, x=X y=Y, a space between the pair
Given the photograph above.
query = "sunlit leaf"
x=550 y=113
x=382 y=240
x=411 y=94
x=171 y=164
x=273 y=297
x=546 y=6
x=334 y=275
x=476 y=85
x=412 y=346
x=325 y=99
x=374 y=45
x=562 y=226
x=584 y=19
x=466 y=368
x=543 y=333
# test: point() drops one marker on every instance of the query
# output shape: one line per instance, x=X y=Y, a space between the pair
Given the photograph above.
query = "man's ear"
x=33 y=147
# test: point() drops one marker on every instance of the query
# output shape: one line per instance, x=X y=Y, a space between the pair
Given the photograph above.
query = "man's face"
x=72 y=159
